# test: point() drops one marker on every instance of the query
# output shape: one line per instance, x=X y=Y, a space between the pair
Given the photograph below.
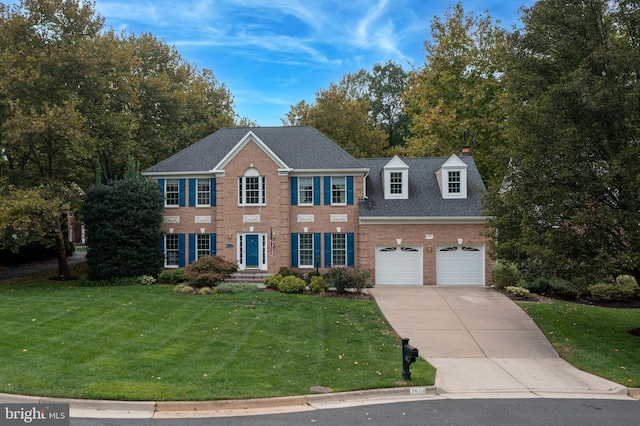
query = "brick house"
x=268 y=197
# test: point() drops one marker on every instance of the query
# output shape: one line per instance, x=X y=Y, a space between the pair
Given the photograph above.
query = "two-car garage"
x=455 y=265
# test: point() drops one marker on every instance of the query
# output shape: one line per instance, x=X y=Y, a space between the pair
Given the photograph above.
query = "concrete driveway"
x=482 y=344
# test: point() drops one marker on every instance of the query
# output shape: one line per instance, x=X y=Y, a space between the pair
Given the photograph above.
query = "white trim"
x=242 y=254
x=420 y=220
x=328 y=172
x=250 y=136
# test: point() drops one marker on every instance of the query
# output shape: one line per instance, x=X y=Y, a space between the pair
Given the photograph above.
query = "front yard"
x=148 y=343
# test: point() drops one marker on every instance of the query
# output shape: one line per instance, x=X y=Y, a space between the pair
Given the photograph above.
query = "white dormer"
x=396 y=179
x=452 y=177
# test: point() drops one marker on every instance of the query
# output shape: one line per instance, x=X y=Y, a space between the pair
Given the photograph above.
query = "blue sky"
x=272 y=54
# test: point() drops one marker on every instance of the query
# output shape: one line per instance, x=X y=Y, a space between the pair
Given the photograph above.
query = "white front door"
x=399 y=265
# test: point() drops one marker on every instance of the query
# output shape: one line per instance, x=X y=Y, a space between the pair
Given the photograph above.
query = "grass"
x=592 y=338
x=148 y=343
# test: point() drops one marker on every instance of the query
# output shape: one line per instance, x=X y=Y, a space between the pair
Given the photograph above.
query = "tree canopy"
x=570 y=205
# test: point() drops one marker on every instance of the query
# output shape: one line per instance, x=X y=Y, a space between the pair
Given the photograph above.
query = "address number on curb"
x=417 y=391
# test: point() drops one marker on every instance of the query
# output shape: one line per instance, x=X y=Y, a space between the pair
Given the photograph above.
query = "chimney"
x=466 y=151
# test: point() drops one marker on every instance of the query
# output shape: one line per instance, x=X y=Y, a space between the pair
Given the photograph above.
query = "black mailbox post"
x=409 y=355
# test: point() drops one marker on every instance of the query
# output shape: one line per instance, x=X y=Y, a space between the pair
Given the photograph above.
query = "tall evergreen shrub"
x=122 y=220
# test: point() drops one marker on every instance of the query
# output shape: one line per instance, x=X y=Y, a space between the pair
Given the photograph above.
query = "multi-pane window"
x=338 y=190
x=305 y=250
x=339 y=249
x=252 y=190
x=305 y=188
x=454 y=182
x=395 y=182
x=203 y=192
x=203 y=245
x=171 y=192
x=171 y=250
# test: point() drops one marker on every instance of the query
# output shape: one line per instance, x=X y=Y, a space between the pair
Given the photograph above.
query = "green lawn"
x=594 y=339
x=148 y=343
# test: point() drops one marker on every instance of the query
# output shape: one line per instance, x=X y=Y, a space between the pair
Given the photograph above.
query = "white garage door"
x=461 y=265
x=399 y=265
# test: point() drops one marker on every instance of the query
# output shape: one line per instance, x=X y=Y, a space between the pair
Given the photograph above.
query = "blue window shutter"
x=327 y=190
x=316 y=248
x=212 y=244
x=181 y=250
x=162 y=250
x=161 y=185
x=213 y=192
x=327 y=250
x=349 y=190
x=316 y=190
x=294 y=250
x=192 y=248
x=181 y=191
x=192 y=192
x=294 y=191
x=350 y=249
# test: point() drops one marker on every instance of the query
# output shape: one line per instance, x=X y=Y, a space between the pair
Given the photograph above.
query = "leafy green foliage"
x=209 y=271
x=318 y=285
x=232 y=288
x=291 y=284
x=123 y=220
x=555 y=287
x=569 y=206
x=273 y=281
x=506 y=275
x=518 y=292
x=612 y=291
x=345 y=279
x=174 y=276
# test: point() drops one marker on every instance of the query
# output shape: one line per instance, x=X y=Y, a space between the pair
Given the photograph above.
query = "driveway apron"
x=481 y=342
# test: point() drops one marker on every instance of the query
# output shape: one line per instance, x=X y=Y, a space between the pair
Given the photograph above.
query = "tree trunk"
x=63 y=267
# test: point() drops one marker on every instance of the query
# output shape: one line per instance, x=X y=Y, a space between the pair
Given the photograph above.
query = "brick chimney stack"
x=466 y=151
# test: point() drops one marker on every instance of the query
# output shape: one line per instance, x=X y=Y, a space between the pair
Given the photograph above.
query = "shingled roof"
x=425 y=198
x=299 y=147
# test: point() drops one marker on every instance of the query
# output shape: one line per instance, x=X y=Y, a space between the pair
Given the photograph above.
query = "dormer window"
x=452 y=177
x=396 y=179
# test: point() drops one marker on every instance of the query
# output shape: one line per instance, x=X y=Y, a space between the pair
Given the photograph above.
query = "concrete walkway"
x=483 y=345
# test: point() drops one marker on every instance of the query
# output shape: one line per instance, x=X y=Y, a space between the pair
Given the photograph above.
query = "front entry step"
x=248 y=277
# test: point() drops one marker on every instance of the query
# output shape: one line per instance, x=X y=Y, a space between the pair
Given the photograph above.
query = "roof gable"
x=249 y=137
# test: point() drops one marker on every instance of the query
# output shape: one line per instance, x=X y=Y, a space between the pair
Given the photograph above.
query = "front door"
x=252 y=259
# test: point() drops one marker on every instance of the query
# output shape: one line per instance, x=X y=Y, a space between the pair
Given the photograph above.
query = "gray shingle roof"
x=425 y=198
x=299 y=147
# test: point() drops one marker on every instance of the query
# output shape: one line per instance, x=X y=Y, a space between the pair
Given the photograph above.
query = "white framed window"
x=203 y=245
x=305 y=191
x=339 y=249
x=453 y=182
x=171 y=193
x=338 y=190
x=171 y=251
x=395 y=183
x=203 y=192
x=252 y=189
x=305 y=250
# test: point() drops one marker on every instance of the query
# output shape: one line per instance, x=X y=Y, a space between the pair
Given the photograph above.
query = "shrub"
x=175 y=276
x=272 y=281
x=612 y=292
x=123 y=221
x=627 y=280
x=518 y=292
x=506 y=275
x=554 y=287
x=113 y=282
x=317 y=285
x=228 y=288
x=291 y=284
x=209 y=271
x=344 y=279
x=147 y=280
x=183 y=289
x=205 y=290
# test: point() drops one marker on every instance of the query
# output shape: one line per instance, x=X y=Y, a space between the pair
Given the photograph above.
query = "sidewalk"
x=483 y=345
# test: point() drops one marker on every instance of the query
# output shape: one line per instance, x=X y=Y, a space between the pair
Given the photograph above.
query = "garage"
x=460 y=265
x=399 y=265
